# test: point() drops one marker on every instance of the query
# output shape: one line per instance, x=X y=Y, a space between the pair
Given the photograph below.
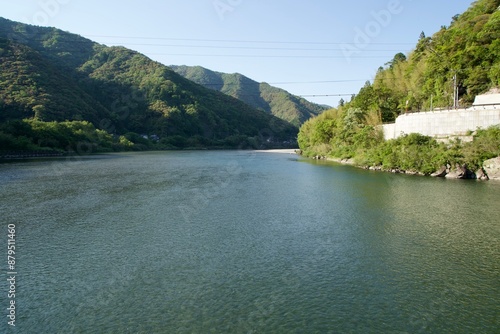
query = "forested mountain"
x=48 y=75
x=468 y=52
x=276 y=101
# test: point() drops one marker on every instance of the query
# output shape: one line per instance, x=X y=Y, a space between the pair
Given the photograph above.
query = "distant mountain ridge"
x=276 y=101
x=49 y=75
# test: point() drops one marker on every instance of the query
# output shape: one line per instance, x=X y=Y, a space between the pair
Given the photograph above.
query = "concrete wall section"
x=443 y=123
x=389 y=131
x=487 y=99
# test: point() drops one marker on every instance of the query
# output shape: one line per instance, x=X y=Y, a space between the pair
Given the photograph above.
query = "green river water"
x=246 y=242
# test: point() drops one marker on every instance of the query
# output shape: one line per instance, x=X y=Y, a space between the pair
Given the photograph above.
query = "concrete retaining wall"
x=442 y=124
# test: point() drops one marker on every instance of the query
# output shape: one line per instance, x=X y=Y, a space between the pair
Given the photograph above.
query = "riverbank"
x=281 y=151
x=40 y=154
x=13 y=155
x=490 y=169
x=412 y=153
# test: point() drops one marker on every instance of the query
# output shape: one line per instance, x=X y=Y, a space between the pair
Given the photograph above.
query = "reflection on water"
x=242 y=242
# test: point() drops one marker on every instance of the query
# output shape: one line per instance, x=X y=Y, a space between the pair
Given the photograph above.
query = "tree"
x=398 y=58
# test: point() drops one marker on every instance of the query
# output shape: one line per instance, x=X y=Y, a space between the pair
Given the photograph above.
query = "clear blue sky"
x=316 y=47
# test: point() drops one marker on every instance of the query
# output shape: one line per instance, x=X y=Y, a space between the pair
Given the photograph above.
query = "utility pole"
x=455 y=79
x=455 y=92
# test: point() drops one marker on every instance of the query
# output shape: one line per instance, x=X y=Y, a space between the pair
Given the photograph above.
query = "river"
x=246 y=242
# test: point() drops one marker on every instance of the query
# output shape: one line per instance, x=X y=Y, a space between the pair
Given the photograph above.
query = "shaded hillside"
x=32 y=86
x=276 y=101
x=50 y=75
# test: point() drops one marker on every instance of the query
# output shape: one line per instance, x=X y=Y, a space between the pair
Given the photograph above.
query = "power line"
x=205 y=47
x=313 y=82
x=262 y=56
x=224 y=47
x=284 y=83
x=366 y=52
x=241 y=47
x=76 y=49
x=326 y=95
x=239 y=41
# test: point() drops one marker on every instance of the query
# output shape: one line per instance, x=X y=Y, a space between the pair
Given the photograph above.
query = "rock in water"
x=460 y=172
x=440 y=173
x=481 y=175
x=454 y=174
x=492 y=168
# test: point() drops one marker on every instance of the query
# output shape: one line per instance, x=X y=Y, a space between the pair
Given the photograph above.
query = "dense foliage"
x=276 y=101
x=81 y=137
x=74 y=136
x=469 y=48
x=415 y=152
x=47 y=75
x=344 y=133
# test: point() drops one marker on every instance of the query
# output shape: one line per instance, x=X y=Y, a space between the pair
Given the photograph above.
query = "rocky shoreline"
x=460 y=172
x=489 y=171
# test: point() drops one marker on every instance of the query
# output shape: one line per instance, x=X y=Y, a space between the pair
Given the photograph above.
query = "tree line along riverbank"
x=450 y=68
x=346 y=134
